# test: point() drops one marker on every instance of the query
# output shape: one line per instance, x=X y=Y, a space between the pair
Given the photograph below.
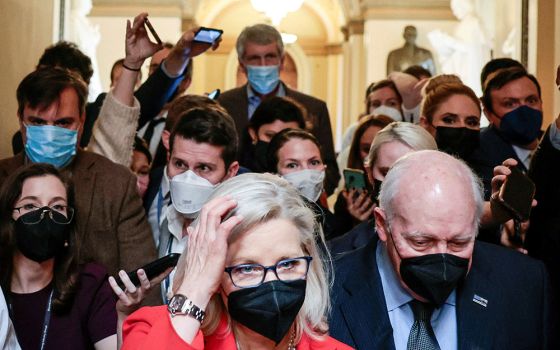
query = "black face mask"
x=43 y=240
x=269 y=309
x=434 y=276
x=460 y=142
x=376 y=188
x=261 y=149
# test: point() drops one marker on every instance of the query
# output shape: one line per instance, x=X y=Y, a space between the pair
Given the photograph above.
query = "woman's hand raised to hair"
x=206 y=250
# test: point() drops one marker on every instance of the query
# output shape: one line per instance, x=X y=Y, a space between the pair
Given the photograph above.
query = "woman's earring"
x=65 y=244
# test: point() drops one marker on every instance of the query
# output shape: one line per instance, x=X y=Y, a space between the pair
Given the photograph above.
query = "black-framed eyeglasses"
x=61 y=214
x=253 y=275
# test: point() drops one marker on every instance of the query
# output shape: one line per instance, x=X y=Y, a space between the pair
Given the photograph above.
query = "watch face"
x=177 y=302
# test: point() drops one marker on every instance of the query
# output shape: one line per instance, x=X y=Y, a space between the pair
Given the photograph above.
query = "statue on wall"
x=410 y=54
x=468 y=50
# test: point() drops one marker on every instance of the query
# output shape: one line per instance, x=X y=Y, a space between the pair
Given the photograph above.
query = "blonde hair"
x=261 y=198
x=411 y=135
x=443 y=92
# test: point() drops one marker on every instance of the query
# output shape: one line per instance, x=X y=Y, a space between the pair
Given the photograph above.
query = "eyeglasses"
x=61 y=214
x=253 y=275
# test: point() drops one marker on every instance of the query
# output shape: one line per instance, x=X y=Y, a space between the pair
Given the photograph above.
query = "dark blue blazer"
x=356 y=238
x=517 y=315
x=156 y=175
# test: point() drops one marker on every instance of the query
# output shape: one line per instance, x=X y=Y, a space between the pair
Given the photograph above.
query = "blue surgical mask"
x=522 y=125
x=263 y=79
x=50 y=144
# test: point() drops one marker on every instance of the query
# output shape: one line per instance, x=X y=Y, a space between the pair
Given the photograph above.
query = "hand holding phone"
x=354 y=179
x=152 y=269
x=517 y=193
x=207 y=35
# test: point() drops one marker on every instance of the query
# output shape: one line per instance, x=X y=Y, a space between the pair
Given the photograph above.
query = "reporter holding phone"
x=251 y=277
x=54 y=302
x=354 y=206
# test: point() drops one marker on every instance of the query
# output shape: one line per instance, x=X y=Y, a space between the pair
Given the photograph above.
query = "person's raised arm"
x=114 y=131
x=138 y=47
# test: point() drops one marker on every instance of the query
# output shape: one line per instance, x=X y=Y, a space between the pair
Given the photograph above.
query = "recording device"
x=214 y=94
x=516 y=194
x=207 y=35
x=152 y=269
x=354 y=178
x=152 y=30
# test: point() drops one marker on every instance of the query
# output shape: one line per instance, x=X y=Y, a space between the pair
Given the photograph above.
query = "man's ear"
x=165 y=134
x=282 y=60
x=381 y=224
x=232 y=170
x=253 y=135
x=491 y=117
x=242 y=65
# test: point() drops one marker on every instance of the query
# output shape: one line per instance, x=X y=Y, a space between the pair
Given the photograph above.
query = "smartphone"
x=214 y=94
x=152 y=269
x=355 y=178
x=152 y=30
x=208 y=35
x=516 y=194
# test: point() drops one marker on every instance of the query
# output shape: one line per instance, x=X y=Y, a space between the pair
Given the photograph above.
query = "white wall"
x=111 y=45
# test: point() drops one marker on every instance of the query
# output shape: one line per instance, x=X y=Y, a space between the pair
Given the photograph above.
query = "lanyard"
x=159 y=205
x=46 y=321
x=166 y=280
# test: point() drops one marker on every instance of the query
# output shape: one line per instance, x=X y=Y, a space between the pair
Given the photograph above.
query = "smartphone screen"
x=354 y=178
x=517 y=194
x=214 y=94
x=208 y=35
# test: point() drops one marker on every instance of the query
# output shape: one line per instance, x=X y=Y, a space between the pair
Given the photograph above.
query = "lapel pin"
x=480 y=300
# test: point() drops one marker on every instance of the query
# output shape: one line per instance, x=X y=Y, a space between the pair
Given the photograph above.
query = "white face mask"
x=391 y=112
x=189 y=192
x=308 y=182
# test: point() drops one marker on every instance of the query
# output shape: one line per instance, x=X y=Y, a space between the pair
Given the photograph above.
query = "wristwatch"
x=181 y=305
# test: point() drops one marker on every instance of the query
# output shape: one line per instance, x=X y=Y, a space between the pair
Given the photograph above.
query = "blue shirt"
x=444 y=319
x=255 y=100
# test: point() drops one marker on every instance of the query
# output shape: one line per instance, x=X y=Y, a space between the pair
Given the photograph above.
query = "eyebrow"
x=419 y=234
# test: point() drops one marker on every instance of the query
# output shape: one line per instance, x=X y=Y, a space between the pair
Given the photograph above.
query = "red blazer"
x=151 y=328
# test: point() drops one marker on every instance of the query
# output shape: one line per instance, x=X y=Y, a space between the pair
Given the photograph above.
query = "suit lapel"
x=364 y=306
x=477 y=307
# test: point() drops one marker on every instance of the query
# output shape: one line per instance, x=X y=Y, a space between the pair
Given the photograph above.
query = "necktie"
x=422 y=335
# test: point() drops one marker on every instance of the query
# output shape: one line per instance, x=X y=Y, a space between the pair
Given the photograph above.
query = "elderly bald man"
x=425 y=283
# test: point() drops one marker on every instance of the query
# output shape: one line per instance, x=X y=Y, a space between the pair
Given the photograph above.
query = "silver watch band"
x=181 y=305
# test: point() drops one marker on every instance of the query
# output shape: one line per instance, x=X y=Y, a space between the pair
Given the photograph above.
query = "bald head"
x=432 y=183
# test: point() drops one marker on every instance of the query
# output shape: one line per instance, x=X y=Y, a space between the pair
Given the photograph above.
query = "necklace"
x=291 y=343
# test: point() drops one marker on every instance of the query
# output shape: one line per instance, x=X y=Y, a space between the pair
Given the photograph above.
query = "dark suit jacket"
x=517 y=315
x=356 y=238
x=156 y=174
x=543 y=237
x=112 y=227
x=236 y=102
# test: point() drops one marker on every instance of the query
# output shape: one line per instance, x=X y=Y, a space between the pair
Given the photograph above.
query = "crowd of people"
x=278 y=249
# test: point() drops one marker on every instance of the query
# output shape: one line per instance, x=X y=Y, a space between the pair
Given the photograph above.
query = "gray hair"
x=411 y=135
x=261 y=198
x=391 y=184
x=261 y=34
